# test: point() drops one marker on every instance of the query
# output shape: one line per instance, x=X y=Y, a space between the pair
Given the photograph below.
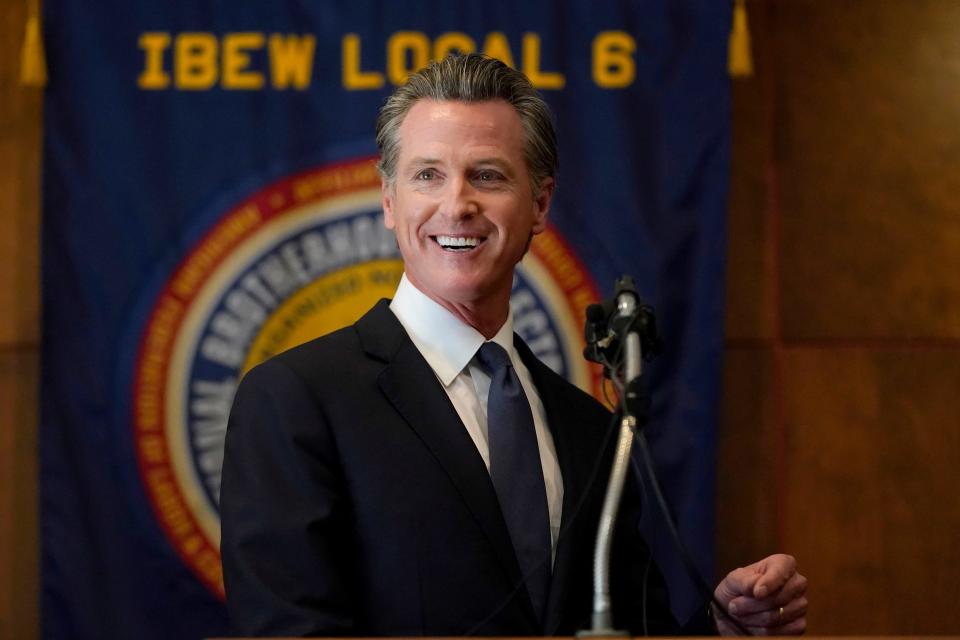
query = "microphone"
x=609 y=322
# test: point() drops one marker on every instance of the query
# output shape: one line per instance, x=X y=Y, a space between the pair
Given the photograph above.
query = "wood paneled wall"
x=19 y=332
x=841 y=429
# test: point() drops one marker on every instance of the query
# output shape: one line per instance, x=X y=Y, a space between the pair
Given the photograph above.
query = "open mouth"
x=458 y=244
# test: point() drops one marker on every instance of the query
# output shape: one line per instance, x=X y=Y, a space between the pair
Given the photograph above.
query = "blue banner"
x=210 y=199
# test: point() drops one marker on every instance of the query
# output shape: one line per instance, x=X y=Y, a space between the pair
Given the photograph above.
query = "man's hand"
x=767 y=598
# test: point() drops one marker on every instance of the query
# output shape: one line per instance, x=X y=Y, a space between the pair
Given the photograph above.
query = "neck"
x=486 y=317
x=485 y=313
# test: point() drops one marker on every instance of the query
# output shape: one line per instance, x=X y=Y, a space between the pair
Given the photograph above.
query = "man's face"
x=461 y=203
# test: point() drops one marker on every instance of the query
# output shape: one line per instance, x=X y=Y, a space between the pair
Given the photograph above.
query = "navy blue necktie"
x=516 y=472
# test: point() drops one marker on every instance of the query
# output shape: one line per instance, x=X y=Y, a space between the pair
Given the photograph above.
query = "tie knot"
x=493 y=356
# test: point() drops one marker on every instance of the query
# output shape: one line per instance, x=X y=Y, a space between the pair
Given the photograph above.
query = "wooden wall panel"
x=19 y=333
x=875 y=447
x=19 y=580
x=868 y=145
x=748 y=517
x=747 y=486
x=750 y=291
x=854 y=376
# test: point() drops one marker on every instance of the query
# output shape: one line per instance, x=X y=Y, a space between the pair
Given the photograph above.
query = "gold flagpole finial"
x=740 y=59
x=33 y=62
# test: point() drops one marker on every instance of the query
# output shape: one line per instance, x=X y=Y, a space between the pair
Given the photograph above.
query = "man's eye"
x=488 y=176
x=427 y=174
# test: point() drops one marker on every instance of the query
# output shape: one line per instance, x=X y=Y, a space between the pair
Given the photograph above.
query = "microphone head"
x=594 y=330
x=596 y=314
x=625 y=284
x=606 y=322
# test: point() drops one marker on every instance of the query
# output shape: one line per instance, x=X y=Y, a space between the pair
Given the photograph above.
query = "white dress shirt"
x=449 y=346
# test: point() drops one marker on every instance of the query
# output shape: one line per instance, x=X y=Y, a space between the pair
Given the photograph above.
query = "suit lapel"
x=410 y=385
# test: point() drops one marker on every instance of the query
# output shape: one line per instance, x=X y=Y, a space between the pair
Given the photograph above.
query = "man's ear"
x=542 y=204
x=386 y=199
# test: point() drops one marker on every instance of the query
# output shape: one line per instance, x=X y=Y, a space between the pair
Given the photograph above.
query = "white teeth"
x=451 y=241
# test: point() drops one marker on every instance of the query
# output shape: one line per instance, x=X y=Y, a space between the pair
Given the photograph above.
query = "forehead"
x=457 y=127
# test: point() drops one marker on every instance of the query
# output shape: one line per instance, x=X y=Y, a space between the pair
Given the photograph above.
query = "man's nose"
x=460 y=199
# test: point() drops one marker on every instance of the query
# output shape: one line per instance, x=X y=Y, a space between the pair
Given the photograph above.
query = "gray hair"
x=472 y=77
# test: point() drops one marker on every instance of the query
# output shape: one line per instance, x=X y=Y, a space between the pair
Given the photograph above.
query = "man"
x=420 y=472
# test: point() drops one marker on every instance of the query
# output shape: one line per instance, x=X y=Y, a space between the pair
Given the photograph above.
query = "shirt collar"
x=446 y=342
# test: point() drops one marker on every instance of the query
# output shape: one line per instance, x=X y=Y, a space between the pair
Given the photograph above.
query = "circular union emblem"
x=302 y=257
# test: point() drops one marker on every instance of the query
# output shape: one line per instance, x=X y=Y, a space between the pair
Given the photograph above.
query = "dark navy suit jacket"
x=355 y=503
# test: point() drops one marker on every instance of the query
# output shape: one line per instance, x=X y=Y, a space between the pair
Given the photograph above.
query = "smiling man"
x=421 y=472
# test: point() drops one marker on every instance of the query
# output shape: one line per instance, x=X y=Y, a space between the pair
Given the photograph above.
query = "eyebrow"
x=419 y=162
x=496 y=162
x=493 y=161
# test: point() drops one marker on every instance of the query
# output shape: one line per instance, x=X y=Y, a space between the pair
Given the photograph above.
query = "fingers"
x=777 y=569
x=772 y=618
x=738 y=582
x=794 y=588
x=768 y=623
x=795 y=628
x=758 y=579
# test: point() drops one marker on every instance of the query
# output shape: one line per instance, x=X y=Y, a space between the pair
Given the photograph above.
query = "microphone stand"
x=602 y=619
x=627 y=327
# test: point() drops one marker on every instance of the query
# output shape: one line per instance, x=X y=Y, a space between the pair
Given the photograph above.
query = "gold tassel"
x=740 y=60
x=33 y=62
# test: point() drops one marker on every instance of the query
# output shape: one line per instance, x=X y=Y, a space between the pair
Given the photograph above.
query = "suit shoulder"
x=320 y=358
x=574 y=392
x=338 y=344
x=552 y=383
x=347 y=360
